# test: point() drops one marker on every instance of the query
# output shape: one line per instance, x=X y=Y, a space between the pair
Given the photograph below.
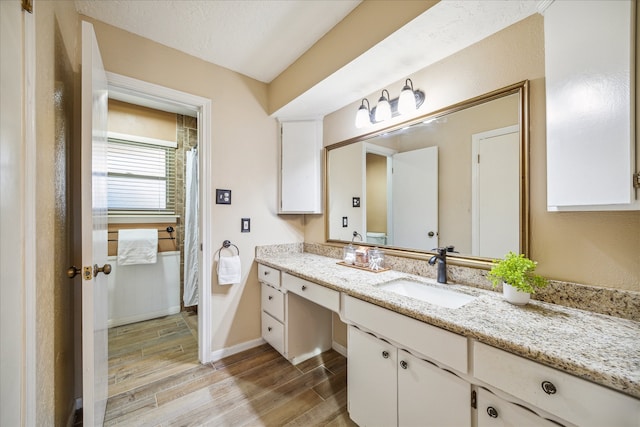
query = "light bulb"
x=383 y=109
x=407 y=99
x=363 y=116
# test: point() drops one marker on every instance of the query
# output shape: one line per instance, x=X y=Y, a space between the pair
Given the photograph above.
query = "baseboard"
x=228 y=351
x=339 y=348
x=141 y=317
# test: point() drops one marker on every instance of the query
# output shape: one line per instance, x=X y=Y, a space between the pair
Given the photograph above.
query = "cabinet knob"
x=385 y=354
x=269 y=328
x=266 y=273
x=270 y=297
x=403 y=364
x=493 y=412
x=548 y=387
x=304 y=287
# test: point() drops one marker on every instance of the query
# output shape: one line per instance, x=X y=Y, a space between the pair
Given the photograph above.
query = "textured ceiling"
x=261 y=38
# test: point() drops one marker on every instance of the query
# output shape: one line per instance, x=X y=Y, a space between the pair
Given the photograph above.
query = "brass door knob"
x=106 y=269
x=73 y=271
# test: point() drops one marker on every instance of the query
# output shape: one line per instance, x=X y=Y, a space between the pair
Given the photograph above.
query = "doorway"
x=137 y=92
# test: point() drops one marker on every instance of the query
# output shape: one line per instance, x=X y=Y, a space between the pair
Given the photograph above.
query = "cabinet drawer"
x=273 y=302
x=442 y=346
x=494 y=411
x=569 y=397
x=273 y=332
x=325 y=297
x=269 y=275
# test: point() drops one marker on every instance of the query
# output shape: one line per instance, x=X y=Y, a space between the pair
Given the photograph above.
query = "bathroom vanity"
x=486 y=362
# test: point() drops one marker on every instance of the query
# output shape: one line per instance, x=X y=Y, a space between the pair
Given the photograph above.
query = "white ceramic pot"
x=514 y=296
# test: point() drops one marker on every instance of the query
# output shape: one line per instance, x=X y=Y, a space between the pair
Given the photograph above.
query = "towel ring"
x=225 y=245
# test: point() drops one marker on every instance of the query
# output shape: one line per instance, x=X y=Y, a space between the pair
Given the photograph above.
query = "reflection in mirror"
x=455 y=177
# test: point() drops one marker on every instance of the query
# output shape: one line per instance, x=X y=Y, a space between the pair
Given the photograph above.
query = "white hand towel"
x=137 y=246
x=229 y=270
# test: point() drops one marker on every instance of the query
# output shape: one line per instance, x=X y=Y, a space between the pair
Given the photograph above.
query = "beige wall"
x=595 y=248
x=244 y=160
x=56 y=64
x=376 y=193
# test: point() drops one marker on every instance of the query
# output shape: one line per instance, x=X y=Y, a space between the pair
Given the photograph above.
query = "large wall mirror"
x=457 y=177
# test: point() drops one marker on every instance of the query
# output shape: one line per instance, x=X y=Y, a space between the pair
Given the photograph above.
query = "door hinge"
x=474 y=400
x=27 y=6
x=636 y=180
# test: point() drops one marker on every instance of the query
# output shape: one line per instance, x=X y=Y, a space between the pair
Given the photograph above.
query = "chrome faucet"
x=441 y=258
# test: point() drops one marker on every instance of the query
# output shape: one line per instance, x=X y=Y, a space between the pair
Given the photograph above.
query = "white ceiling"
x=261 y=39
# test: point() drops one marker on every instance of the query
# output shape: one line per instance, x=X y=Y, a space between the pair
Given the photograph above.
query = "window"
x=141 y=177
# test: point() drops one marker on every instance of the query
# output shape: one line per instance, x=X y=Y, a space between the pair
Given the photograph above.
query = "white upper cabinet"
x=589 y=68
x=301 y=167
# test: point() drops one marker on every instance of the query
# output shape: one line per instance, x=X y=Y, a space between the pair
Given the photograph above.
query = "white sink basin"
x=423 y=292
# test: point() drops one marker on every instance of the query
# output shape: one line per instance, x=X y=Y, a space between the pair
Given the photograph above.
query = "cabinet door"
x=589 y=56
x=430 y=396
x=371 y=380
x=496 y=412
x=300 y=167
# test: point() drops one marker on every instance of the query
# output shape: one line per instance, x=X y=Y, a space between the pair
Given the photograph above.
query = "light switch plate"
x=245 y=225
x=356 y=202
x=345 y=221
x=223 y=197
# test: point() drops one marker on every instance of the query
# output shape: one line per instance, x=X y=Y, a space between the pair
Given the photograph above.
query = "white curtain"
x=191 y=231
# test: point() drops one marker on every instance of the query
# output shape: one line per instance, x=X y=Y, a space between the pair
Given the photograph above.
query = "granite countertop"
x=599 y=348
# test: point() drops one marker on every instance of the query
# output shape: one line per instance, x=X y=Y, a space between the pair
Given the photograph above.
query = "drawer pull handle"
x=270 y=297
x=548 y=387
x=403 y=364
x=266 y=273
x=493 y=413
x=269 y=328
x=304 y=287
x=385 y=354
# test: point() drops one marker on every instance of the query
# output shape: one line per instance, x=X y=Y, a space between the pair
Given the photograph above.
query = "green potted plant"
x=516 y=272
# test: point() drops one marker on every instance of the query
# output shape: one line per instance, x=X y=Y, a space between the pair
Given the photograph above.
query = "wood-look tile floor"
x=155 y=379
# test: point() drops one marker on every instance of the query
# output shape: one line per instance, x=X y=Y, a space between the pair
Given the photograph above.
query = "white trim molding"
x=229 y=351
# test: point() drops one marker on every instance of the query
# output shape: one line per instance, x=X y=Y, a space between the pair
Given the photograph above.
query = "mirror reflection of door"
x=415 y=185
x=495 y=204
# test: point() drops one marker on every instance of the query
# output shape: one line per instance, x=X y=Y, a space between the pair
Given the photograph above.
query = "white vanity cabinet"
x=563 y=395
x=589 y=75
x=391 y=387
x=300 y=167
x=295 y=326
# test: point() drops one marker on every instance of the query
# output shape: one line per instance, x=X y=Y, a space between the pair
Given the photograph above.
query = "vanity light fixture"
x=383 y=109
x=407 y=99
x=363 y=116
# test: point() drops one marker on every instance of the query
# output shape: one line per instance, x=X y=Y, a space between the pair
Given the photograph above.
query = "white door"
x=94 y=229
x=430 y=396
x=371 y=375
x=415 y=185
x=495 y=209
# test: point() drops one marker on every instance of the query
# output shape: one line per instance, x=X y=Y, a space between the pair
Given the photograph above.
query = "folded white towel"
x=137 y=246
x=229 y=270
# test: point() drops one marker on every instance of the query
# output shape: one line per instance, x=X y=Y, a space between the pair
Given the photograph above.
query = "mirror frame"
x=522 y=89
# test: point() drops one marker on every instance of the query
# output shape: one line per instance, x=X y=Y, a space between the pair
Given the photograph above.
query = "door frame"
x=159 y=97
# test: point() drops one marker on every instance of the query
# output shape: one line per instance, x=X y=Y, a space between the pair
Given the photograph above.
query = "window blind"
x=141 y=177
